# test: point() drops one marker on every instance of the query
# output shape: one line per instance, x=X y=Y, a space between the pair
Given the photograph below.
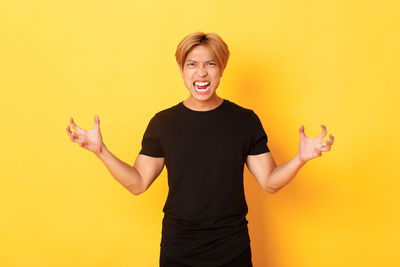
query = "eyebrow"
x=192 y=60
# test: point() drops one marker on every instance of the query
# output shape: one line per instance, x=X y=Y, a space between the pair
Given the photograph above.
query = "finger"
x=68 y=131
x=78 y=139
x=323 y=132
x=301 y=131
x=96 y=122
x=74 y=126
x=317 y=151
x=73 y=136
x=70 y=134
x=326 y=144
x=322 y=146
x=331 y=139
x=326 y=148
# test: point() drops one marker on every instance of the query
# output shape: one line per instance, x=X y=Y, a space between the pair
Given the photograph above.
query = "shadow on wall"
x=252 y=87
x=255 y=87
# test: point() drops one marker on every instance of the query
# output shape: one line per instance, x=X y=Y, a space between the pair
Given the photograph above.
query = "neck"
x=203 y=105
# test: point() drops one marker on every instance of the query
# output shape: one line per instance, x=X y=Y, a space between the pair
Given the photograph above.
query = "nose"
x=202 y=71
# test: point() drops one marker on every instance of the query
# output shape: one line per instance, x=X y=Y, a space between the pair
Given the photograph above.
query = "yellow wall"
x=293 y=62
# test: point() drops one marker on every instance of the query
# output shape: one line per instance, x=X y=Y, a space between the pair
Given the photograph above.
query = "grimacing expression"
x=201 y=73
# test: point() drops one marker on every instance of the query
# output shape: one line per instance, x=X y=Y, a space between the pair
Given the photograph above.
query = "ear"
x=221 y=71
x=180 y=70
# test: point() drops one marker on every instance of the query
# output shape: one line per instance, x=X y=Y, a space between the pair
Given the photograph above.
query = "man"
x=204 y=141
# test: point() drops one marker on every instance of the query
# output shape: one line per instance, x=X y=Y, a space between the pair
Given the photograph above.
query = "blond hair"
x=211 y=40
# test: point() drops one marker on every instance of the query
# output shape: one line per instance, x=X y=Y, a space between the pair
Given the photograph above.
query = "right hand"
x=89 y=139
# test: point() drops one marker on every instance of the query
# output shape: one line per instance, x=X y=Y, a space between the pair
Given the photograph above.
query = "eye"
x=190 y=64
x=212 y=64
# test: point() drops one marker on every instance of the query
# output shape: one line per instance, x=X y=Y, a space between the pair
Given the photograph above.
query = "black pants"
x=243 y=260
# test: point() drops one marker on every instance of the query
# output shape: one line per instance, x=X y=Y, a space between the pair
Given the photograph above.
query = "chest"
x=205 y=139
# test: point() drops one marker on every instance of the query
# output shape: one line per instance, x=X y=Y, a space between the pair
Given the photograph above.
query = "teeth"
x=201 y=84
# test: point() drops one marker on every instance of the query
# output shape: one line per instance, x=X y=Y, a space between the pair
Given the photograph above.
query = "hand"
x=89 y=139
x=310 y=148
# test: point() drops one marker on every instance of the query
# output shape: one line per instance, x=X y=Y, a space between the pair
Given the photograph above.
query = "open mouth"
x=201 y=86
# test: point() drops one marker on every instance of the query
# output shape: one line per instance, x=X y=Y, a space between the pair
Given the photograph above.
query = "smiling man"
x=204 y=142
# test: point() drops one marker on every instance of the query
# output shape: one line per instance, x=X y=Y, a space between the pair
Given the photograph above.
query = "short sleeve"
x=258 y=137
x=151 y=142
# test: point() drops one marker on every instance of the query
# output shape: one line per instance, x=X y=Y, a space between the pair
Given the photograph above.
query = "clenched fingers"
x=74 y=136
x=74 y=126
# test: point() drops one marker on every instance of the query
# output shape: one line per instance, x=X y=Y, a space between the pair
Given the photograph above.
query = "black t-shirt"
x=204 y=220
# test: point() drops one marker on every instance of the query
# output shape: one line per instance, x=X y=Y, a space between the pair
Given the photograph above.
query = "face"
x=201 y=73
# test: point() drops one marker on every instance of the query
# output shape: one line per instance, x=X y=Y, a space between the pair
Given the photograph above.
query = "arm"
x=269 y=176
x=281 y=175
x=136 y=178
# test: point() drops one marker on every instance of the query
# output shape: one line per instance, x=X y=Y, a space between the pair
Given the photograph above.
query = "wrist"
x=299 y=161
x=102 y=151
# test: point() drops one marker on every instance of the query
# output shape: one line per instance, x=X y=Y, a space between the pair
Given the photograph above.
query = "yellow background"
x=292 y=62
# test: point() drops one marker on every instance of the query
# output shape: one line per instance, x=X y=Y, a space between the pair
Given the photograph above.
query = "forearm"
x=281 y=175
x=125 y=174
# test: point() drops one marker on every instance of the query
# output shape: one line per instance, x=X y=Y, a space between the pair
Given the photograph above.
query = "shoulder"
x=167 y=113
x=240 y=110
x=246 y=116
x=170 y=109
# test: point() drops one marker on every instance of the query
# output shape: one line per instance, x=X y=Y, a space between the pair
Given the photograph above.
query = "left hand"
x=310 y=148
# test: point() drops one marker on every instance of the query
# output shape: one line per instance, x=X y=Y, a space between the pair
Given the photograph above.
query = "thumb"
x=301 y=131
x=96 y=121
